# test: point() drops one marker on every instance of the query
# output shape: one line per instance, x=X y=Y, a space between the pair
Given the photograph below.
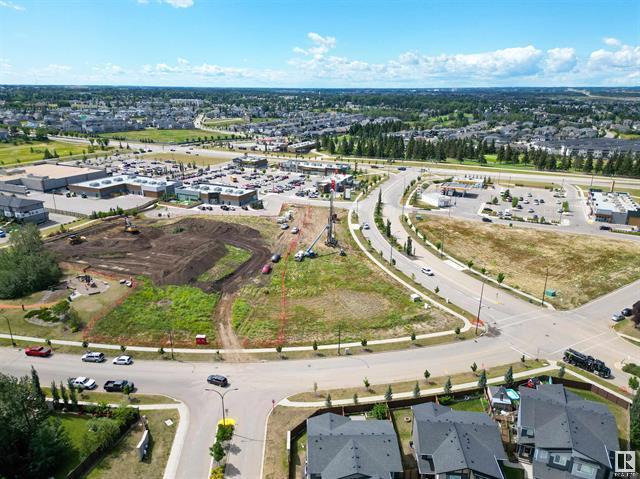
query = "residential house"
x=23 y=210
x=342 y=448
x=564 y=435
x=453 y=444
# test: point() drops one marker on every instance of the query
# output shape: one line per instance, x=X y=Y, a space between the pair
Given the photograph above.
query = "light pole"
x=479 y=307
x=545 y=286
x=13 y=343
x=222 y=395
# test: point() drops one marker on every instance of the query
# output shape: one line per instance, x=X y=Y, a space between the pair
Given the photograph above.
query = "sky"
x=321 y=43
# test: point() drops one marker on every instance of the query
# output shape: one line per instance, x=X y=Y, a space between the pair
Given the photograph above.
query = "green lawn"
x=226 y=265
x=75 y=427
x=404 y=430
x=167 y=136
x=513 y=473
x=29 y=152
x=474 y=405
x=222 y=122
x=150 y=312
x=122 y=462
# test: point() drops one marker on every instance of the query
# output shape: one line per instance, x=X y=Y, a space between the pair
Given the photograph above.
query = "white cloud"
x=108 y=69
x=612 y=42
x=178 y=3
x=5 y=64
x=625 y=57
x=560 y=60
x=321 y=45
x=183 y=61
x=12 y=6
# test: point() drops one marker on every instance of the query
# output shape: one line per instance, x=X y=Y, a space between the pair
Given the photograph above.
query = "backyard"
x=580 y=267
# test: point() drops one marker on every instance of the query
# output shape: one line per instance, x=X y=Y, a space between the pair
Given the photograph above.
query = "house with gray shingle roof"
x=341 y=448
x=564 y=435
x=452 y=444
x=23 y=210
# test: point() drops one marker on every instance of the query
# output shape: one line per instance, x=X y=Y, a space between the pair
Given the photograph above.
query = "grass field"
x=150 y=312
x=118 y=398
x=223 y=122
x=227 y=264
x=25 y=153
x=627 y=327
x=327 y=293
x=581 y=267
x=123 y=461
x=75 y=427
x=167 y=136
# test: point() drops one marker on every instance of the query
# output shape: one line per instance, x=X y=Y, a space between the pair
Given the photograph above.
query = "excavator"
x=76 y=239
x=129 y=227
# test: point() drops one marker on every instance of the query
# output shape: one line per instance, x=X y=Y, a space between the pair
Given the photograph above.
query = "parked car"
x=275 y=258
x=616 y=317
x=123 y=360
x=224 y=208
x=284 y=226
x=486 y=219
x=266 y=269
x=427 y=271
x=295 y=230
x=218 y=380
x=117 y=385
x=531 y=210
x=39 y=351
x=627 y=312
x=83 y=383
x=2 y=234
x=366 y=226
x=93 y=357
x=605 y=228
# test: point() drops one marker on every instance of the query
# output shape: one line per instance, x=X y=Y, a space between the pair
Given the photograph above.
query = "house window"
x=559 y=460
x=584 y=470
x=542 y=455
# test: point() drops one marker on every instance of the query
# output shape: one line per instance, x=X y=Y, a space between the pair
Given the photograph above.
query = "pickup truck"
x=117 y=385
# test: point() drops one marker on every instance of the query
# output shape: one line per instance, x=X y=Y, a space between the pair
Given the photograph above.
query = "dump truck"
x=588 y=363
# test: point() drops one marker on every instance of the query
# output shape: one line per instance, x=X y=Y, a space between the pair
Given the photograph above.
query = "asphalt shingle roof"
x=338 y=447
x=563 y=420
x=15 y=202
x=456 y=440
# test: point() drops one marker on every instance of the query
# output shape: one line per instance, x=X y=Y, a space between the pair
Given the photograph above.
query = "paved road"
x=520 y=328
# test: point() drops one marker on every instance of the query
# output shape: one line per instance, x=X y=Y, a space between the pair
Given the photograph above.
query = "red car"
x=266 y=269
x=39 y=351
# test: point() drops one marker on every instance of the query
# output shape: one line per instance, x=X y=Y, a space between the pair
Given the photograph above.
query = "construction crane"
x=129 y=227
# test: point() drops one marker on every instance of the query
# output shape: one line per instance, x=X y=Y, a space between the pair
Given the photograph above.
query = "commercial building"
x=46 y=177
x=461 y=186
x=302 y=146
x=617 y=208
x=23 y=210
x=564 y=435
x=250 y=161
x=217 y=194
x=452 y=444
x=341 y=448
x=125 y=185
x=313 y=168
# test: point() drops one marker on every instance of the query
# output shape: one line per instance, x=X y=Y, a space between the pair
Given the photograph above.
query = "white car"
x=284 y=226
x=365 y=226
x=82 y=383
x=427 y=271
x=295 y=230
x=123 y=360
x=617 y=317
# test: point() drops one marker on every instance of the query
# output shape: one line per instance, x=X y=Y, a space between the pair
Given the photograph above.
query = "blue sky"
x=313 y=43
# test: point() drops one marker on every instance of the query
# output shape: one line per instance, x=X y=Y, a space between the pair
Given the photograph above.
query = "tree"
x=387 y=230
x=388 y=394
x=634 y=383
x=363 y=342
x=26 y=266
x=634 y=422
x=447 y=386
x=379 y=411
x=327 y=401
x=366 y=383
x=35 y=383
x=482 y=380
x=474 y=367
x=54 y=393
x=63 y=394
x=355 y=398
x=426 y=375
x=561 y=371
x=416 y=390
x=73 y=396
x=457 y=330
x=123 y=348
x=508 y=377
x=500 y=278
x=315 y=345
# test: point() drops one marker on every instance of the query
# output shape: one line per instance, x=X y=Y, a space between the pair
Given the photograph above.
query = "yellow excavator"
x=76 y=239
x=129 y=227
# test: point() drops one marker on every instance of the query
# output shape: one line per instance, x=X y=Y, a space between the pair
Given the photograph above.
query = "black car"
x=627 y=312
x=117 y=385
x=224 y=208
x=218 y=380
x=275 y=258
x=486 y=219
x=605 y=228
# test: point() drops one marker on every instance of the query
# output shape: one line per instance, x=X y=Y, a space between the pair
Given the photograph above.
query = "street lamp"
x=222 y=395
x=544 y=291
x=479 y=307
x=13 y=343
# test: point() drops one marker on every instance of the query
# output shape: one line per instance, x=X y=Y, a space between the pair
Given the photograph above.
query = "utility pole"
x=339 y=331
x=171 y=341
x=479 y=307
x=13 y=343
x=545 y=286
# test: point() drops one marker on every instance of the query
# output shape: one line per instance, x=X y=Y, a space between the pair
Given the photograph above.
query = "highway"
x=517 y=327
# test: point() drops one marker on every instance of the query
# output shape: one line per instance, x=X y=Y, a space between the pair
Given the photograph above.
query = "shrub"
x=217 y=451
x=225 y=432
x=379 y=411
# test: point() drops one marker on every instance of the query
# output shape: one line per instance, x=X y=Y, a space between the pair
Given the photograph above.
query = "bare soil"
x=175 y=253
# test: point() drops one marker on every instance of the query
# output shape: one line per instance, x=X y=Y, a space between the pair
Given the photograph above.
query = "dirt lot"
x=581 y=267
x=174 y=253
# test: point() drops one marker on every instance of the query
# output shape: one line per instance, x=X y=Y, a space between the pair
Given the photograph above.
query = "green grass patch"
x=151 y=311
x=29 y=152
x=472 y=405
x=167 y=136
x=75 y=427
x=581 y=267
x=512 y=473
x=632 y=368
x=231 y=261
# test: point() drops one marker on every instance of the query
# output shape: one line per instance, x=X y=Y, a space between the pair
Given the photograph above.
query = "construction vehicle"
x=75 y=239
x=331 y=238
x=129 y=227
x=588 y=363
